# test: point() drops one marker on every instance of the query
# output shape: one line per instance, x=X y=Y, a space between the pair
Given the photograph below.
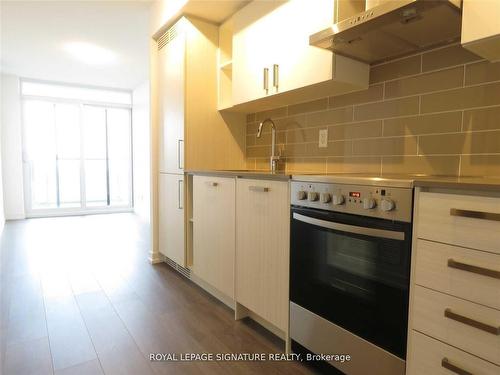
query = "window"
x=77 y=156
x=83 y=94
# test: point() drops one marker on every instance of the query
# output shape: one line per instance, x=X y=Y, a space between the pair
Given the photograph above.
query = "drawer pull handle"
x=445 y=363
x=474 y=269
x=475 y=214
x=211 y=183
x=261 y=189
x=471 y=322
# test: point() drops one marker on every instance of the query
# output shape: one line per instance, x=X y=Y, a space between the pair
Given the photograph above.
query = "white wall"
x=2 y=213
x=11 y=148
x=141 y=150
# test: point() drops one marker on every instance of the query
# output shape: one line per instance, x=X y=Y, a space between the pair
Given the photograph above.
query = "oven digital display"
x=355 y=194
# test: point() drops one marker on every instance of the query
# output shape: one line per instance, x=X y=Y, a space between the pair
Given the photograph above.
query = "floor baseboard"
x=155 y=257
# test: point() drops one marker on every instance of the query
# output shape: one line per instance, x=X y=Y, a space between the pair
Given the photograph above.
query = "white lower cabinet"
x=454 y=315
x=240 y=237
x=214 y=231
x=171 y=217
x=262 y=248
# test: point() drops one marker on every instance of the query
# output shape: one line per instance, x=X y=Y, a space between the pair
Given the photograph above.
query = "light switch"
x=323 y=138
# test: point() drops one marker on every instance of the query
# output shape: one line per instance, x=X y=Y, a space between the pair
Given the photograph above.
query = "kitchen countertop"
x=264 y=175
x=465 y=182
x=390 y=180
x=400 y=181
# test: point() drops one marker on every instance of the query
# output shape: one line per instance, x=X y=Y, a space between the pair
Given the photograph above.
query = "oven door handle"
x=373 y=232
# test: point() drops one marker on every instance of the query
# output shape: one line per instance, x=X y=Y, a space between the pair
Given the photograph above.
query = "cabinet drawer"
x=470 y=274
x=462 y=220
x=460 y=323
x=428 y=356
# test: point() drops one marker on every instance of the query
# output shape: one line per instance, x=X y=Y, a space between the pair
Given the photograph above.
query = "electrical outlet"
x=323 y=138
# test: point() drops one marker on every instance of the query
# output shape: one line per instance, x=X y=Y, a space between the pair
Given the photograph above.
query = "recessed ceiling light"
x=90 y=53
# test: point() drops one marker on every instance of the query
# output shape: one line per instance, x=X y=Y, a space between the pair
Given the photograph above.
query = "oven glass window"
x=358 y=282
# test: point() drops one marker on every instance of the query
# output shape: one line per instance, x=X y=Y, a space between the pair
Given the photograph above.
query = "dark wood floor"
x=79 y=297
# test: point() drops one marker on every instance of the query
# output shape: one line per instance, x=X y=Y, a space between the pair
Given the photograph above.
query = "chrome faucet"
x=274 y=158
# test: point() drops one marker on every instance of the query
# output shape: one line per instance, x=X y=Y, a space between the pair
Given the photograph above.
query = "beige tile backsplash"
x=433 y=113
x=452 y=55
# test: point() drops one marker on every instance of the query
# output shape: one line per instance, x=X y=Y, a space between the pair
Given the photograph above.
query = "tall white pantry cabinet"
x=192 y=134
x=171 y=59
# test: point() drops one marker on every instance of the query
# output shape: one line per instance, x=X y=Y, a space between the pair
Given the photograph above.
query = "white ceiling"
x=101 y=43
x=165 y=12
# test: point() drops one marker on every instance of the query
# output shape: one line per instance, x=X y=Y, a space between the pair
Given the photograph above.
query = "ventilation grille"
x=166 y=38
x=183 y=271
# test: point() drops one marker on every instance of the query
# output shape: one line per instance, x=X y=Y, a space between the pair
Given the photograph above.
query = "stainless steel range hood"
x=393 y=29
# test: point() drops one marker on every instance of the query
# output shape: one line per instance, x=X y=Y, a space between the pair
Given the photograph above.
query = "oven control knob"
x=369 y=203
x=338 y=199
x=325 y=197
x=301 y=195
x=387 y=205
x=312 y=196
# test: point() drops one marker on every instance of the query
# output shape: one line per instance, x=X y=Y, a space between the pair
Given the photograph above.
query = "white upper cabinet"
x=253 y=50
x=272 y=55
x=481 y=28
x=300 y=64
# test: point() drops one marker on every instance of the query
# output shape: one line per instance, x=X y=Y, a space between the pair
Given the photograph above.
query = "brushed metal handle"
x=366 y=231
x=261 y=189
x=266 y=79
x=180 y=159
x=445 y=363
x=211 y=183
x=475 y=214
x=471 y=322
x=276 y=79
x=180 y=194
x=474 y=269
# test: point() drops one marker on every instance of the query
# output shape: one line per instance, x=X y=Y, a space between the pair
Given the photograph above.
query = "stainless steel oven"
x=350 y=250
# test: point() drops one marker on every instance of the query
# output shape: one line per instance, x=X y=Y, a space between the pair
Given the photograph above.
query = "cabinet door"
x=171 y=217
x=300 y=64
x=254 y=44
x=262 y=248
x=214 y=231
x=171 y=102
x=276 y=32
x=481 y=28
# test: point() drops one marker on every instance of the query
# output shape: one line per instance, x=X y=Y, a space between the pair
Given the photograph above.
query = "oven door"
x=354 y=272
